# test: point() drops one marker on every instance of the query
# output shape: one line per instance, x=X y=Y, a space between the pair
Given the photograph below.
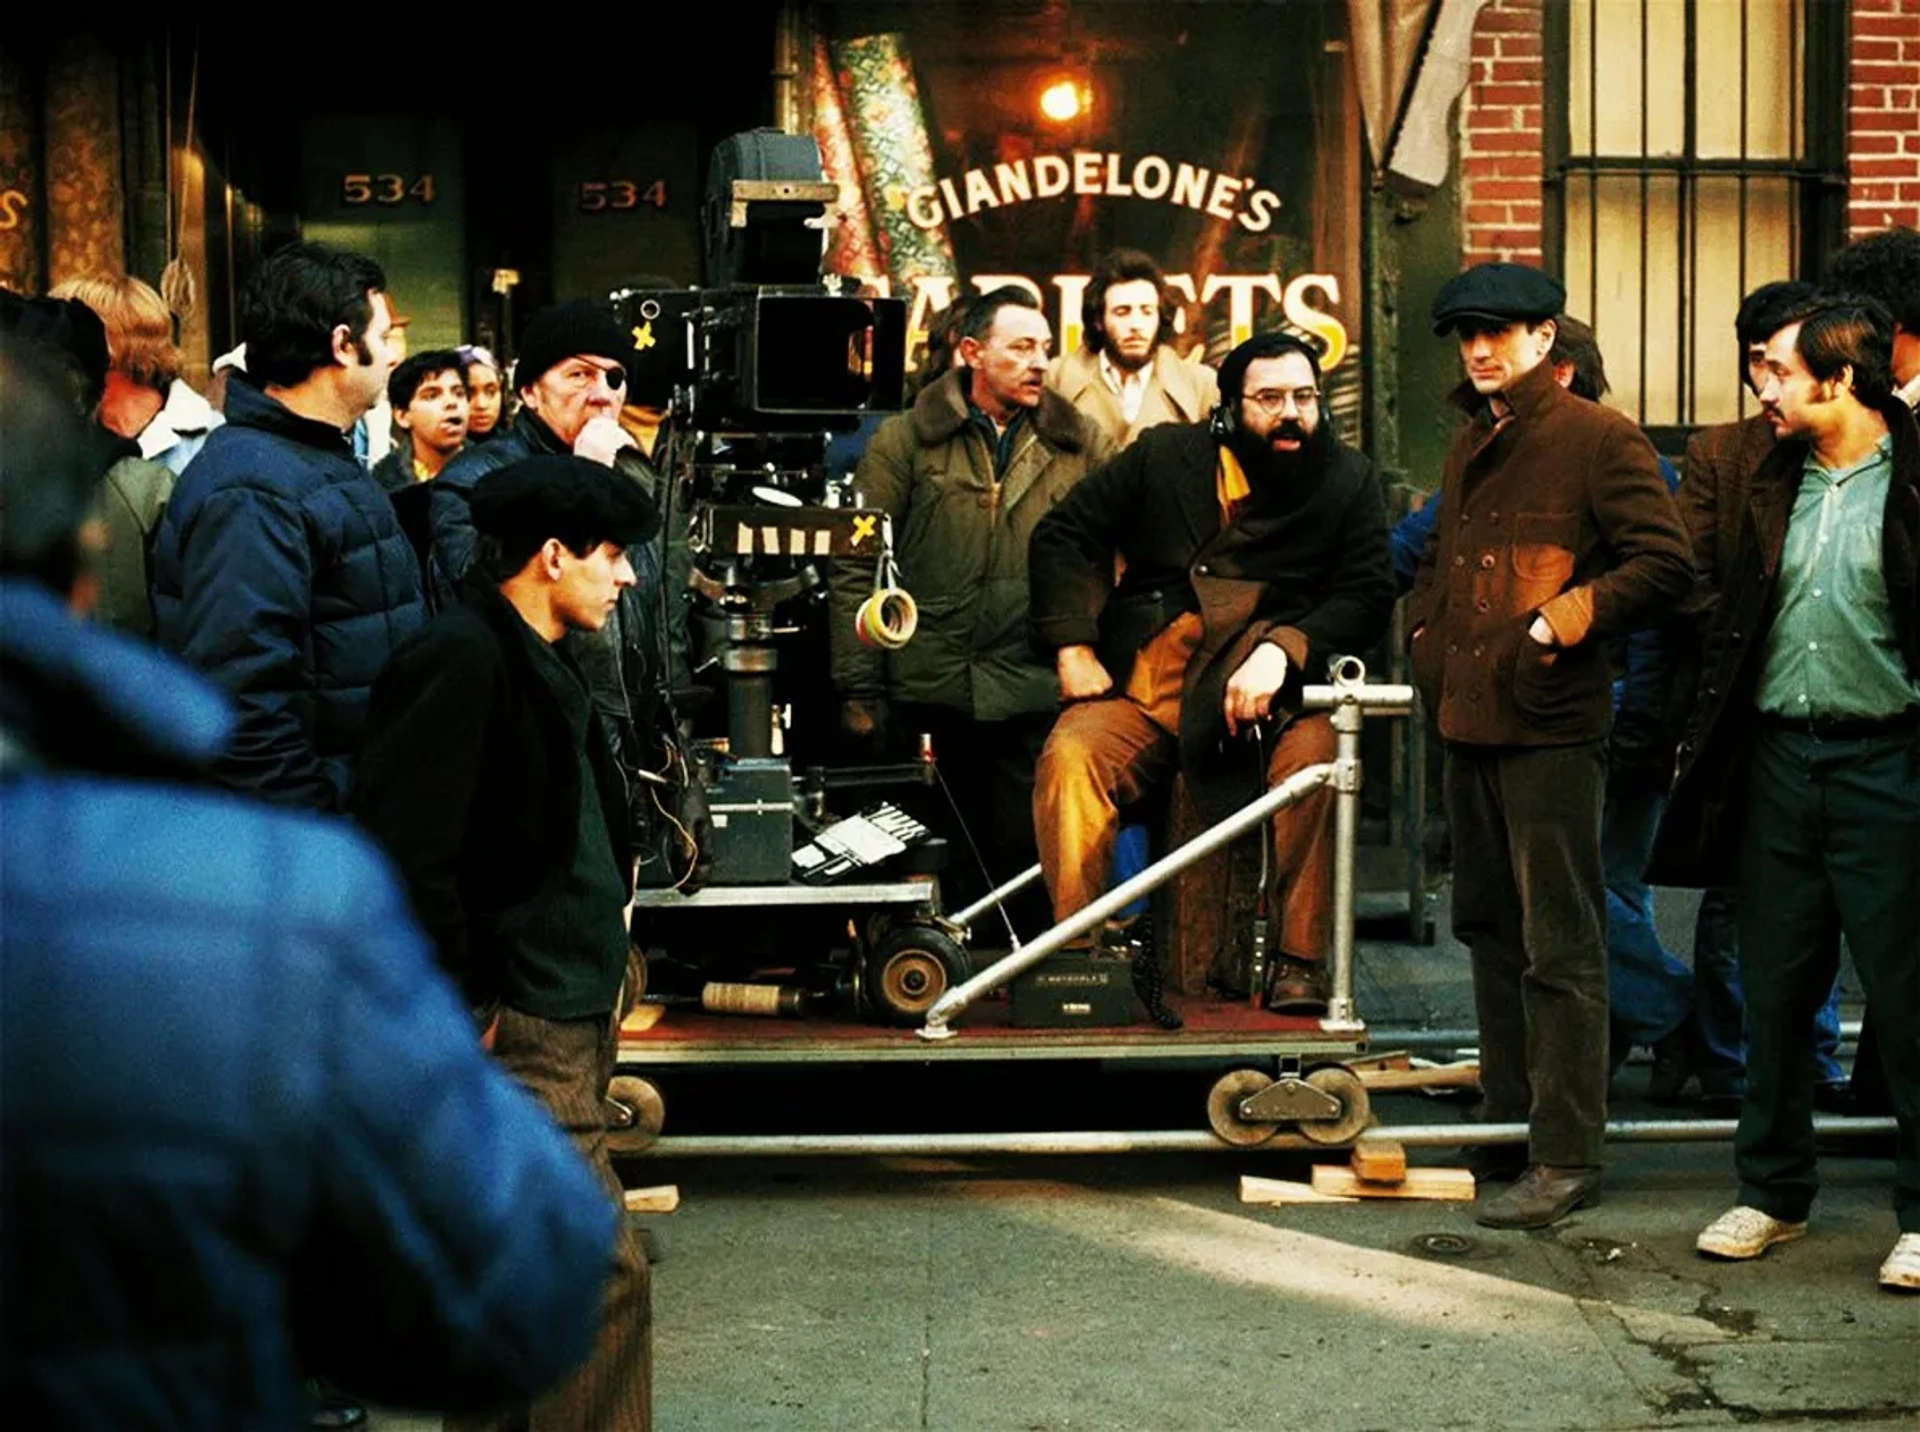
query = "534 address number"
x=385 y=189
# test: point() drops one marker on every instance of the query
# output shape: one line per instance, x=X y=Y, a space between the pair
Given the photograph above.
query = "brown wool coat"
x=1557 y=510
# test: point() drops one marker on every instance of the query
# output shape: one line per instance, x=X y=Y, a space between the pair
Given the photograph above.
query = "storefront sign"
x=1303 y=302
x=1226 y=197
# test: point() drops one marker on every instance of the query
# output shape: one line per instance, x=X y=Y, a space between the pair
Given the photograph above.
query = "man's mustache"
x=1288 y=430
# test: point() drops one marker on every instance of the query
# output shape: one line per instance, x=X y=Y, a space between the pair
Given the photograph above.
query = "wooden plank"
x=1455 y=1184
x=661 y=1199
x=1380 y=1160
x=1380 y=1063
x=1445 y=1076
x=1279 y=1191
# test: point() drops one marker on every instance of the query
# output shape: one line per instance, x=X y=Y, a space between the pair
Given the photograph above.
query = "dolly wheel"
x=1223 y=1108
x=1356 y=1112
x=635 y=1114
x=908 y=971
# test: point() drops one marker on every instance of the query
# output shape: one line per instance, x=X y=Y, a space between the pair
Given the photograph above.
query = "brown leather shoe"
x=1297 y=987
x=1542 y=1195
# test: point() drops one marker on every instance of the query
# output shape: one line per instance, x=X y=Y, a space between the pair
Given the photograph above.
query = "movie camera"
x=764 y=365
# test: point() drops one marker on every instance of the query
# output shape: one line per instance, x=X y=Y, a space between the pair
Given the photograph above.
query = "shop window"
x=1693 y=153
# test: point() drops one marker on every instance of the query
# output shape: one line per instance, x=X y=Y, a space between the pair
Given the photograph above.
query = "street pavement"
x=1136 y=1292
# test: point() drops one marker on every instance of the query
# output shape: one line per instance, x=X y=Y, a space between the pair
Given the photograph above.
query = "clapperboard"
x=857 y=843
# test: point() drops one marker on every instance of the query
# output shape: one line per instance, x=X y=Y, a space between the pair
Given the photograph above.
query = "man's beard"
x=1267 y=467
x=1128 y=362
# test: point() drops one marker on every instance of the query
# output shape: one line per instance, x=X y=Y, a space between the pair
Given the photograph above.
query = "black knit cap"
x=567 y=330
x=1498 y=293
x=580 y=502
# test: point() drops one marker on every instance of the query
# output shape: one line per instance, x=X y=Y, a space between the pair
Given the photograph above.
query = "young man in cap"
x=490 y=782
x=1559 y=532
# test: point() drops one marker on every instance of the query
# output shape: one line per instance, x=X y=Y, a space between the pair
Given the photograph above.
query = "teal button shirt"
x=1832 y=651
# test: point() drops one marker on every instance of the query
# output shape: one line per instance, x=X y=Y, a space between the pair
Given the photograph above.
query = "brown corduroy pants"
x=565 y=1064
x=1104 y=755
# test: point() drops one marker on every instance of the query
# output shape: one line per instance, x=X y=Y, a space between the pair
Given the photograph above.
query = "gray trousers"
x=1529 y=898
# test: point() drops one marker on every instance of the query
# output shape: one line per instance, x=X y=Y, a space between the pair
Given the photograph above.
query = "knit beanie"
x=567 y=330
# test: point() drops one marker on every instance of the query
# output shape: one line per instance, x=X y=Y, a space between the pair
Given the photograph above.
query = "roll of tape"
x=887 y=619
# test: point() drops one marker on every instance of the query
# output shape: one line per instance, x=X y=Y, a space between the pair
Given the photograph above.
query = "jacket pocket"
x=1541 y=557
x=1559 y=691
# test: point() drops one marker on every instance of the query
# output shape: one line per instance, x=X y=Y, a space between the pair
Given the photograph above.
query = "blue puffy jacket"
x=248 y=1130
x=280 y=570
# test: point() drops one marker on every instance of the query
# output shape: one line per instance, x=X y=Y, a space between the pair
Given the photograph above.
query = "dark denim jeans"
x=1832 y=847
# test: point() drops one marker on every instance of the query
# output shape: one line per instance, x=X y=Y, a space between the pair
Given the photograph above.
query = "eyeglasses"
x=1277 y=400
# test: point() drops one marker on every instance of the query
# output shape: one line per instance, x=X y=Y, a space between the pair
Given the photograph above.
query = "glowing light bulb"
x=1061 y=101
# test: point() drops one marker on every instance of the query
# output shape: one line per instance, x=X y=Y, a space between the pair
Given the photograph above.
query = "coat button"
x=1453 y=648
x=1202 y=569
x=1459 y=561
x=1480 y=606
x=1493 y=517
x=1486 y=561
x=1734 y=636
x=984 y=500
x=1479 y=651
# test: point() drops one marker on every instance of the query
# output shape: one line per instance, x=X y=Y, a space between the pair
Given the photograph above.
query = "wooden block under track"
x=1447 y=1184
x=1380 y=1160
x=1279 y=1191
x=661 y=1199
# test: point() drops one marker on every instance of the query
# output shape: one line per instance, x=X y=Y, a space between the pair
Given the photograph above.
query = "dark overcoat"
x=471 y=781
x=1699 y=838
x=1305 y=566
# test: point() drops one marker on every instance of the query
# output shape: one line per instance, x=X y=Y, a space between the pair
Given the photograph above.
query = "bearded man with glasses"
x=1255 y=549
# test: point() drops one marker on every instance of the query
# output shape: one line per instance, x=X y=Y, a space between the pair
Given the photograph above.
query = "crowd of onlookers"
x=251 y=1129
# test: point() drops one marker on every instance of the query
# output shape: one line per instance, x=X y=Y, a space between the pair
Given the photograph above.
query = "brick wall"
x=1500 y=136
x=1883 y=115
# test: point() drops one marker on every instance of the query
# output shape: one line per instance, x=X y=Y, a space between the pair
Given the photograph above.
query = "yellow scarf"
x=1230 y=486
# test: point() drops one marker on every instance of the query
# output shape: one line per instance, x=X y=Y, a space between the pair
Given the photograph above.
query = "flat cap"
x=1498 y=293
x=580 y=502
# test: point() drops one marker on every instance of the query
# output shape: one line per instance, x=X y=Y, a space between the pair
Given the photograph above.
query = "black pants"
x=988 y=767
x=1832 y=846
x=1529 y=897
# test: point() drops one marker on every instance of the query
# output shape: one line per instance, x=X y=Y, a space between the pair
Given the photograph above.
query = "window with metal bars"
x=1694 y=150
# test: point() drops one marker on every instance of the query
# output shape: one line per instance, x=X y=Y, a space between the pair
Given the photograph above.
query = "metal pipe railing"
x=1179 y=1141
x=1350 y=699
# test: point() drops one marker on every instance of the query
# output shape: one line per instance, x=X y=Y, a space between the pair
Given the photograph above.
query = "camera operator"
x=966 y=474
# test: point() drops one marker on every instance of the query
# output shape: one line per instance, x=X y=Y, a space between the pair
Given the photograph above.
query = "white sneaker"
x=1902 y=1268
x=1744 y=1232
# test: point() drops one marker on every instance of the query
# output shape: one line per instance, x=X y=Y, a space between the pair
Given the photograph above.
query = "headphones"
x=1224 y=425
